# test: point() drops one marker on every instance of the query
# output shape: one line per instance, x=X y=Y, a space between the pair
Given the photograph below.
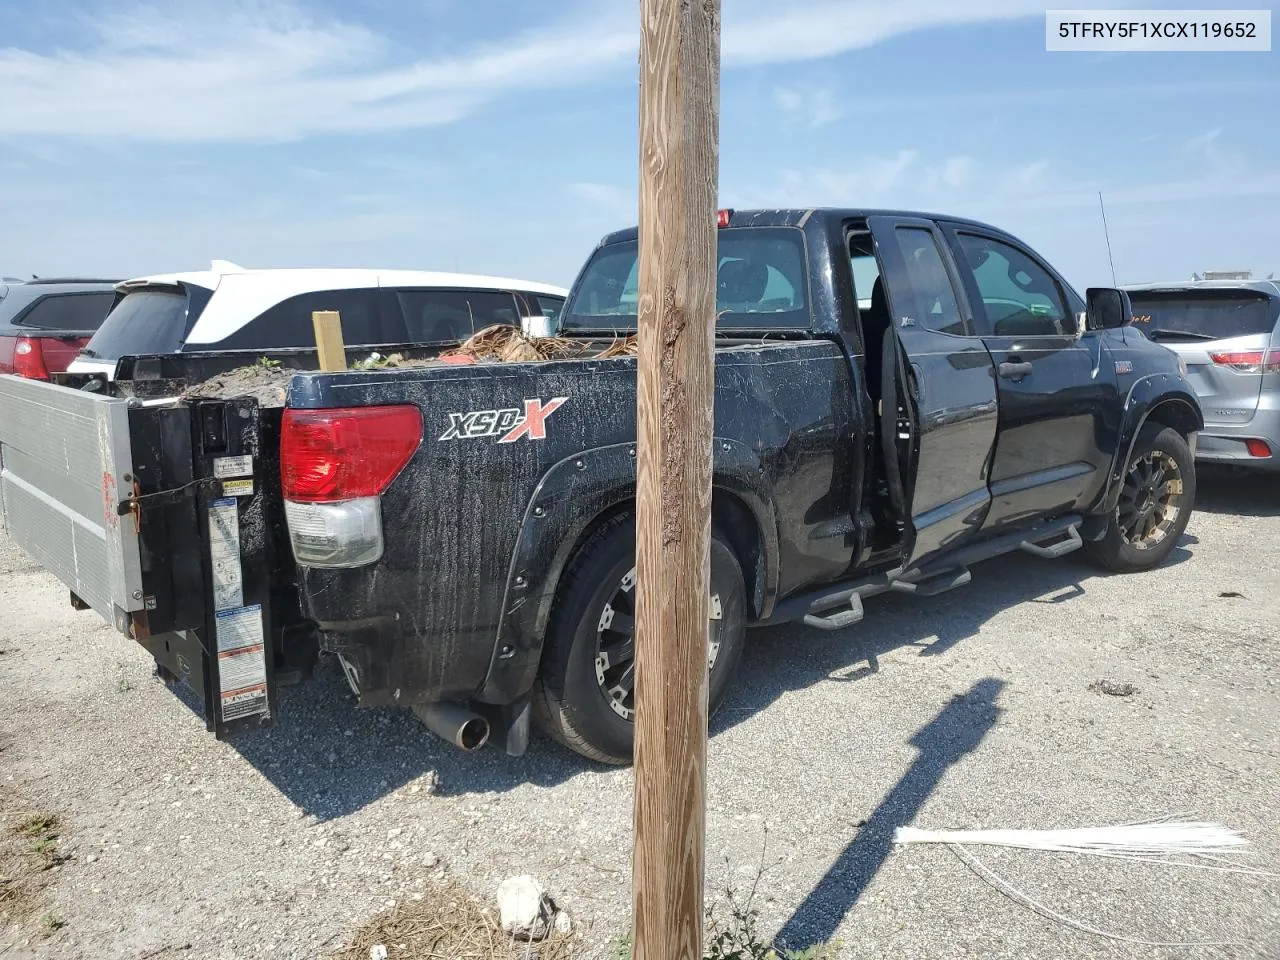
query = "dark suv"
x=45 y=323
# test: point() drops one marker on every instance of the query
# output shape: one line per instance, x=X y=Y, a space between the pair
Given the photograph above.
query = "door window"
x=1020 y=297
x=865 y=274
x=448 y=316
x=936 y=307
x=288 y=324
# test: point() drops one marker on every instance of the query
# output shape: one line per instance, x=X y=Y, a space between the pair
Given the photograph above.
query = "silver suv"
x=1228 y=334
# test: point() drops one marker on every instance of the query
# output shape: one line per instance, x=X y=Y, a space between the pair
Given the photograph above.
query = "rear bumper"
x=1228 y=444
x=392 y=659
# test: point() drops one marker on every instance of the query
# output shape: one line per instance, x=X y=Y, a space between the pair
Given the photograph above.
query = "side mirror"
x=1107 y=308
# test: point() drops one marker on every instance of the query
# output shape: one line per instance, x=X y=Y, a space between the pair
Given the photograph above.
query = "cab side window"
x=936 y=306
x=1020 y=297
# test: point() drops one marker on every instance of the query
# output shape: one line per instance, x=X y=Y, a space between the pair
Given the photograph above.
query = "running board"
x=1070 y=543
x=839 y=620
x=938 y=583
x=1055 y=538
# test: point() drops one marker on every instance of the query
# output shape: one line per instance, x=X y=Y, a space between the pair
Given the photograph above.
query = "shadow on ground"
x=331 y=759
x=1244 y=493
x=791 y=657
x=957 y=730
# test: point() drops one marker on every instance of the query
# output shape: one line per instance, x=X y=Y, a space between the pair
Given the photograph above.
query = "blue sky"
x=499 y=136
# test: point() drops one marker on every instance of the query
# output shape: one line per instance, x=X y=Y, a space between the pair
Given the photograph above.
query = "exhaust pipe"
x=455 y=722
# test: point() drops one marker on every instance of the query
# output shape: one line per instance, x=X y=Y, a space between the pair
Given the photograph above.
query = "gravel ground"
x=967 y=710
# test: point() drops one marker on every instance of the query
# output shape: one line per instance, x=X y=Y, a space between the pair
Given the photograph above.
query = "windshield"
x=1202 y=315
x=145 y=322
x=760 y=284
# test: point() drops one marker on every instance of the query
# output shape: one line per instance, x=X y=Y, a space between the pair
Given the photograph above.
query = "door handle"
x=1015 y=370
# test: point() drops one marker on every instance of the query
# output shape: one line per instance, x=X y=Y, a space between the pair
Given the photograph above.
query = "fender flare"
x=568 y=501
x=1145 y=396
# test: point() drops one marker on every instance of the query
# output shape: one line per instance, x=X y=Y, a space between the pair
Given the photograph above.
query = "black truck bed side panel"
x=422 y=624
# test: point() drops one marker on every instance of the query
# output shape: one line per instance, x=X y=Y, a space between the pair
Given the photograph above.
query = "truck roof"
x=799 y=216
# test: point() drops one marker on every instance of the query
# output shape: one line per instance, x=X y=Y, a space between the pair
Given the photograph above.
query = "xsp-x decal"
x=507 y=425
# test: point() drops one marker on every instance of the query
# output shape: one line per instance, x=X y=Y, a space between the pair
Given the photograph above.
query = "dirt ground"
x=982 y=708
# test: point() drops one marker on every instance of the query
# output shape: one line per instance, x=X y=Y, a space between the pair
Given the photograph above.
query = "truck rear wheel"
x=585 y=694
x=1159 y=490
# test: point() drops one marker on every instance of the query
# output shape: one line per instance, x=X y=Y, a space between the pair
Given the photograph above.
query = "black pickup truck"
x=898 y=396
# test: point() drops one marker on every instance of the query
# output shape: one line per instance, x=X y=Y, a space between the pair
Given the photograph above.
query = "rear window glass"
x=1207 y=315
x=73 y=312
x=144 y=322
x=447 y=316
x=760 y=282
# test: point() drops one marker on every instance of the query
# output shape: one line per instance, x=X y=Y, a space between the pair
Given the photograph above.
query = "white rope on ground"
x=1161 y=837
x=1013 y=893
x=1215 y=864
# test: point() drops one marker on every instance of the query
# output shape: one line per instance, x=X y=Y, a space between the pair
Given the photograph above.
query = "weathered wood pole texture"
x=679 y=161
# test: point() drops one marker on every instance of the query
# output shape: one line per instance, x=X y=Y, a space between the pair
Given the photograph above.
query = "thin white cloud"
x=815 y=106
x=258 y=71
x=766 y=31
x=269 y=73
x=957 y=171
x=958 y=185
x=1203 y=140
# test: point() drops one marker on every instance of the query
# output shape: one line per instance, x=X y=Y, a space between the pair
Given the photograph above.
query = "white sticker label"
x=232 y=467
x=224 y=554
x=242 y=663
x=238 y=488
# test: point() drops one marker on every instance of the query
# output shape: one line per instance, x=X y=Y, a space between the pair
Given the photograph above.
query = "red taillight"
x=345 y=453
x=1249 y=361
x=28 y=359
x=1257 y=448
x=722 y=217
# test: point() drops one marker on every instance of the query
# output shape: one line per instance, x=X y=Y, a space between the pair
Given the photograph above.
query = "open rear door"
x=938 y=411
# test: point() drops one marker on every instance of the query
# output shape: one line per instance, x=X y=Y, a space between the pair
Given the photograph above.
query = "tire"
x=570 y=699
x=1155 y=504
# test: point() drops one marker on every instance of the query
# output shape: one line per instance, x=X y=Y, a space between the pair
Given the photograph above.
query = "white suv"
x=229 y=308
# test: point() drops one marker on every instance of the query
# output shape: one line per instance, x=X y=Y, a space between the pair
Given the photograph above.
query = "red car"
x=45 y=323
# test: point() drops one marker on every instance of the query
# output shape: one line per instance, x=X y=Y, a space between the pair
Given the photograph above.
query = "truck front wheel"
x=585 y=694
x=1158 y=492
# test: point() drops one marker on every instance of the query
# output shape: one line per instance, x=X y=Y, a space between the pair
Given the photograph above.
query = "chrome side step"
x=936 y=584
x=837 y=606
x=1070 y=542
x=838 y=621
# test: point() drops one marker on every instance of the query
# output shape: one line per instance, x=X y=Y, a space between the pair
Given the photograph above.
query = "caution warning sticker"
x=238 y=488
x=242 y=663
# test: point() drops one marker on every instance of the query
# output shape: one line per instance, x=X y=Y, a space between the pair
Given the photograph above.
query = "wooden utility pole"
x=679 y=159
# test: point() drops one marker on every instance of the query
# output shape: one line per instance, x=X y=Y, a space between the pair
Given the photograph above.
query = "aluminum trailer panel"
x=65 y=466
